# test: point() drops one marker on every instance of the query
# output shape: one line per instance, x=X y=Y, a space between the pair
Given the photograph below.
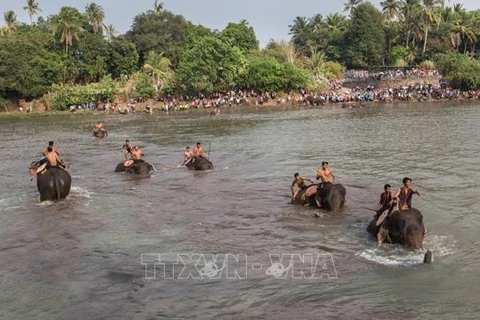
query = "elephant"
x=313 y=101
x=199 y=164
x=53 y=183
x=135 y=167
x=100 y=134
x=404 y=227
x=328 y=196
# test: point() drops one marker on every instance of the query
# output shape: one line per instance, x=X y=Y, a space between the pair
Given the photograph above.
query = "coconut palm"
x=350 y=5
x=159 y=68
x=96 y=16
x=390 y=9
x=316 y=22
x=301 y=32
x=68 y=28
x=110 y=32
x=336 y=22
x=32 y=9
x=157 y=6
x=11 y=23
x=408 y=9
x=463 y=31
x=429 y=13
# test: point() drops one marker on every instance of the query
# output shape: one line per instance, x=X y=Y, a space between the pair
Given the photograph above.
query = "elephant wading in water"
x=100 y=133
x=135 y=167
x=199 y=163
x=328 y=196
x=52 y=183
x=404 y=227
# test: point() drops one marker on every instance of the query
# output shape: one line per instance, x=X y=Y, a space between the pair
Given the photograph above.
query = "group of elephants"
x=54 y=183
x=404 y=227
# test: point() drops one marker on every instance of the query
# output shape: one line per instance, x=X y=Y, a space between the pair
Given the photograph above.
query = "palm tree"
x=159 y=68
x=157 y=6
x=68 y=28
x=316 y=22
x=408 y=9
x=110 y=32
x=11 y=23
x=350 y=5
x=289 y=52
x=390 y=9
x=301 y=32
x=336 y=22
x=95 y=16
x=32 y=9
x=463 y=31
x=430 y=14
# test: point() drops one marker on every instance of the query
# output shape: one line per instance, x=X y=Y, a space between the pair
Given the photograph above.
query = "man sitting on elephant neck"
x=405 y=194
x=187 y=156
x=324 y=173
x=50 y=144
x=385 y=201
x=198 y=151
x=137 y=153
x=300 y=182
x=127 y=149
x=99 y=126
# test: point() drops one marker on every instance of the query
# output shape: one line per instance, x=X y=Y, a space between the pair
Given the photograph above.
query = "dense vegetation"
x=76 y=58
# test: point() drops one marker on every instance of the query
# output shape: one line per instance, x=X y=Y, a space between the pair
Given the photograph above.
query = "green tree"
x=28 y=66
x=461 y=71
x=160 y=32
x=159 y=68
x=32 y=9
x=240 y=35
x=365 y=38
x=122 y=58
x=210 y=66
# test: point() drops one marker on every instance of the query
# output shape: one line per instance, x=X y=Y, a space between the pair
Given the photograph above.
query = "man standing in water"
x=405 y=194
x=324 y=173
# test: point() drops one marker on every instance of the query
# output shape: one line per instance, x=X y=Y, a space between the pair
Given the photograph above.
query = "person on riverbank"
x=405 y=194
x=385 y=201
x=325 y=174
x=127 y=149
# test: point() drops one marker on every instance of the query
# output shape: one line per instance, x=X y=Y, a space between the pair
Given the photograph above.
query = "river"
x=81 y=258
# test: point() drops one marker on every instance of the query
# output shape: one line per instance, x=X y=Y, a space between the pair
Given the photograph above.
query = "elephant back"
x=54 y=184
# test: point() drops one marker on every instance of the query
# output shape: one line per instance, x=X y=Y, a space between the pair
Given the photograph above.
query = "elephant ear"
x=382 y=218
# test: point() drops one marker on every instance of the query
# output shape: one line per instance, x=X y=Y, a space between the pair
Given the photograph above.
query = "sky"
x=269 y=18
